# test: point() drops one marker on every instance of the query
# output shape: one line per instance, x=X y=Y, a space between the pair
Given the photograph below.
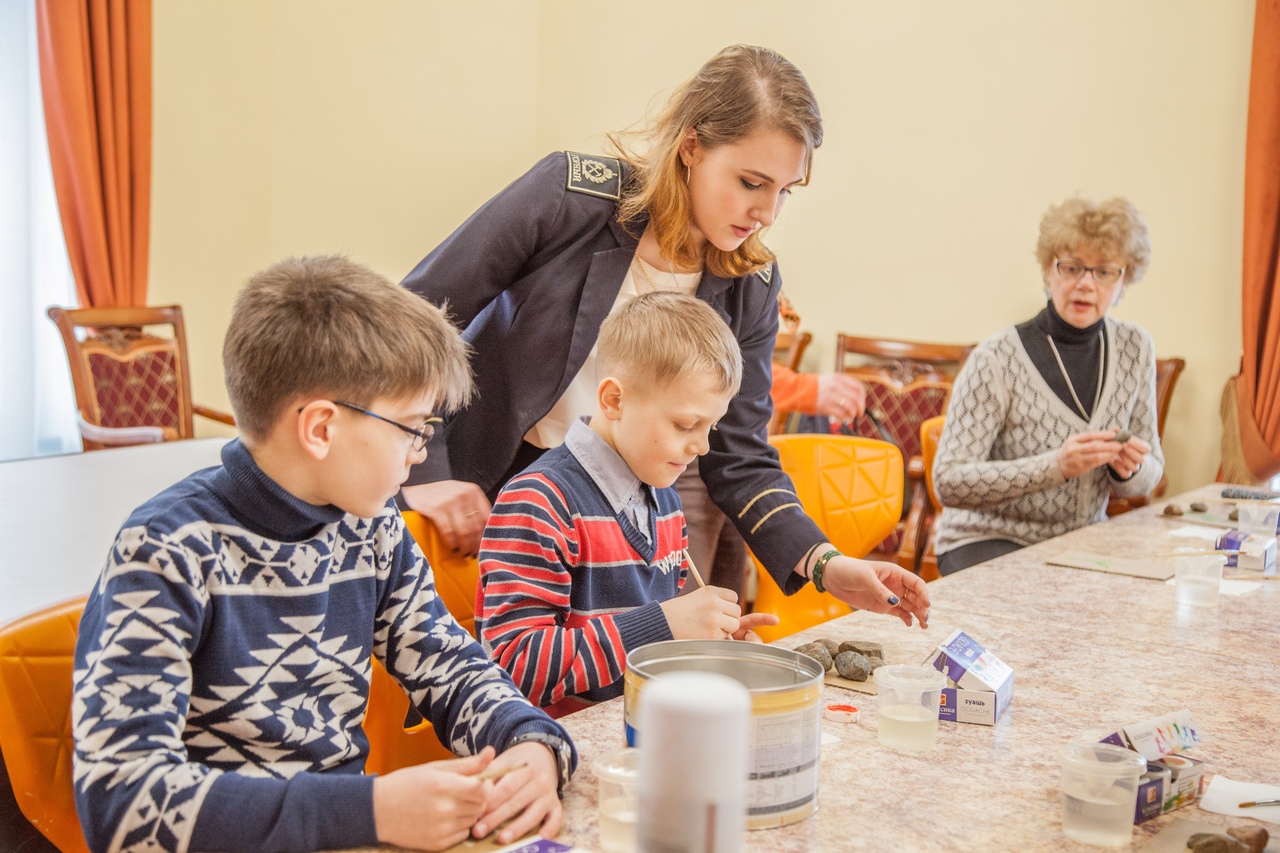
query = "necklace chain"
x=1102 y=360
x=638 y=263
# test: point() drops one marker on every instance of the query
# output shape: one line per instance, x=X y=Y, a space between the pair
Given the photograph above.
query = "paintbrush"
x=693 y=570
x=1253 y=803
x=498 y=774
x=1199 y=552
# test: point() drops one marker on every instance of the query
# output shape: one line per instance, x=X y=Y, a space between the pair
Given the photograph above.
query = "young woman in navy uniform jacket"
x=531 y=275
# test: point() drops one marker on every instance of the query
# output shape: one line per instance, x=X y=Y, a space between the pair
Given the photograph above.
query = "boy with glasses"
x=224 y=657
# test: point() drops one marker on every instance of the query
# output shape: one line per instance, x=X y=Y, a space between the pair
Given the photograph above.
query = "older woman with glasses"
x=1049 y=416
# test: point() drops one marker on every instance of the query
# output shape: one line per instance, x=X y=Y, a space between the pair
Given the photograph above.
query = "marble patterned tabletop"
x=1091 y=652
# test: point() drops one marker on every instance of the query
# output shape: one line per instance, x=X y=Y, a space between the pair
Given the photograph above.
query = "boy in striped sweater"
x=584 y=553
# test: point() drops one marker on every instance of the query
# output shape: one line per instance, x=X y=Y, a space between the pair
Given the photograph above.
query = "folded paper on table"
x=1224 y=796
x=1156 y=570
x=1195 y=531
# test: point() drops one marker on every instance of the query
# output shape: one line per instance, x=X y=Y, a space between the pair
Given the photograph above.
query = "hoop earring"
x=686 y=175
x=1047 y=294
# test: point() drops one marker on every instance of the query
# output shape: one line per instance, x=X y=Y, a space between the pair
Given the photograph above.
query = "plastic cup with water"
x=1260 y=518
x=1198 y=578
x=1099 y=792
x=909 y=697
x=619 y=806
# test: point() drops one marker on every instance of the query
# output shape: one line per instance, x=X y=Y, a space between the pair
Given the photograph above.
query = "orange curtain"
x=95 y=71
x=1251 y=400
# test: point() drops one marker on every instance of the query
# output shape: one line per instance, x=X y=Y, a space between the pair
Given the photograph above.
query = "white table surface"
x=60 y=514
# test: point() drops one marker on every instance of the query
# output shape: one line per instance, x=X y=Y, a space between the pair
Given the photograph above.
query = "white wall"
x=293 y=126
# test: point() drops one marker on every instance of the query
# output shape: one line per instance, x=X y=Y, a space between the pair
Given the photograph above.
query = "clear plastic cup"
x=1099 y=792
x=1259 y=518
x=909 y=697
x=1198 y=578
x=619 y=807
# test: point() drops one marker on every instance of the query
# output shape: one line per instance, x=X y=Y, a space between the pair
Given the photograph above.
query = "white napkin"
x=1224 y=797
x=1197 y=531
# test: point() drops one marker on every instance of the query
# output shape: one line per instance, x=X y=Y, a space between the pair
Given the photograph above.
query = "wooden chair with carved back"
x=788 y=352
x=132 y=385
x=1167 y=372
x=907 y=383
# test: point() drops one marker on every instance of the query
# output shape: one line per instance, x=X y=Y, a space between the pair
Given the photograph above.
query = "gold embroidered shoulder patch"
x=598 y=176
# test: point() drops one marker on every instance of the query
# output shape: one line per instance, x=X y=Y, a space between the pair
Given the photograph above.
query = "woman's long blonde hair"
x=741 y=90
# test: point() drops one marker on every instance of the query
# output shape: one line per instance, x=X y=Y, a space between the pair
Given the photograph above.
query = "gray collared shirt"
x=621 y=487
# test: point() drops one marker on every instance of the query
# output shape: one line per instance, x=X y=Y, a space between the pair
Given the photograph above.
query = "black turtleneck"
x=1079 y=350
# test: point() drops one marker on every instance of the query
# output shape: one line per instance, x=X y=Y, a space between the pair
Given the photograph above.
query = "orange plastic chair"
x=391 y=745
x=36 y=659
x=930 y=433
x=457 y=577
x=852 y=488
x=907 y=383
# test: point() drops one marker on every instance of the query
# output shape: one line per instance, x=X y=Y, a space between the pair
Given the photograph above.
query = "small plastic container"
x=619 y=808
x=909 y=697
x=1259 y=518
x=1198 y=578
x=1099 y=792
x=841 y=713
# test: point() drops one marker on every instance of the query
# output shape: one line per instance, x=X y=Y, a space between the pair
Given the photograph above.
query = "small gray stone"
x=1210 y=842
x=1198 y=506
x=1122 y=436
x=853 y=666
x=1235 y=514
x=863 y=647
x=875 y=661
x=818 y=652
x=1253 y=837
x=1172 y=509
x=833 y=647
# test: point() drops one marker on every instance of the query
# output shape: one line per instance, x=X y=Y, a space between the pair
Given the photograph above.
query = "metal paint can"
x=786 y=716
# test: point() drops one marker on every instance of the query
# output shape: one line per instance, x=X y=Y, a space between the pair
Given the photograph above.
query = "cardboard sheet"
x=868 y=687
x=1153 y=568
x=1215 y=516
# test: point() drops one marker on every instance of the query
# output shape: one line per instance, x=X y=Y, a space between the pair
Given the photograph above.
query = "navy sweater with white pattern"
x=223 y=663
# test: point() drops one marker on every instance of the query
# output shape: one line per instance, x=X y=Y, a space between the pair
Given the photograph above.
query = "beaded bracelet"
x=818 y=567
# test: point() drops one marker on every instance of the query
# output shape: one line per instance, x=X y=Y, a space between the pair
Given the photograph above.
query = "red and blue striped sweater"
x=568 y=586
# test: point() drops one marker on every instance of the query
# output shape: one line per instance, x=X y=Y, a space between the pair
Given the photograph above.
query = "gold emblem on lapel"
x=766 y=273
x=598 y=176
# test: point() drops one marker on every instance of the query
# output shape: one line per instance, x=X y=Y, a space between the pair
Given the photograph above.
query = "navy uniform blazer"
x=530 y=277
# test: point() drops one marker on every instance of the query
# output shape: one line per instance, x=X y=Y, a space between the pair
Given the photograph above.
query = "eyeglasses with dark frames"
x=420 y=436
x=1072 y=271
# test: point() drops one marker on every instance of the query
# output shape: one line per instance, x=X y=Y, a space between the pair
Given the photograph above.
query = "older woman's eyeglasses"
x=1072 y=271
x=420 y=436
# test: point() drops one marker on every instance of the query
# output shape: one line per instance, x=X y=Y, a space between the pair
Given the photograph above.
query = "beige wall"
x=295 y=126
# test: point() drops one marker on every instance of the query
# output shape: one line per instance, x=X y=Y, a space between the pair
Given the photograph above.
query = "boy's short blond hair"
x=657 y=337
x=328 y=326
